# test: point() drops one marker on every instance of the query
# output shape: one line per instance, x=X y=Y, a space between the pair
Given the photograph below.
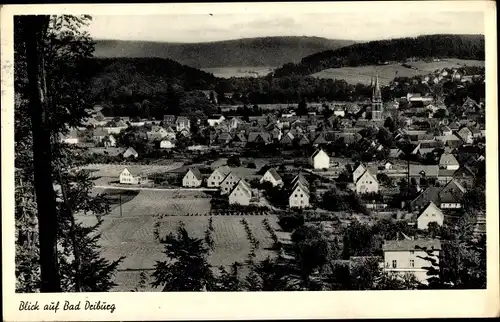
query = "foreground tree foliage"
x=53 y=251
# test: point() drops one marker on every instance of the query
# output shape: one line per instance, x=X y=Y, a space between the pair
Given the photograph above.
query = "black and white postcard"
x=249 y=161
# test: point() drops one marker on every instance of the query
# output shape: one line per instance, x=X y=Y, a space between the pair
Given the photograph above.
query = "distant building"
x=241 y=194
x=431 y=213
x=227 y=185
x=272 y=176
x=320 y=160
x=132 y=175
x=358 y=171
x=182 y=123
x=377 y=104
x=299 y=196
x=448 y=161
x=215 y=120
x=466 y=135
x=167 y=144
x=217 y=176
x=367 y=183
x=192 y=178
x=130 y=152
x=109 y=141
x=406 y=256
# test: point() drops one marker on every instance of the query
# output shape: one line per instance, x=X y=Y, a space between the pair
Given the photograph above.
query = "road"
x=155 y=189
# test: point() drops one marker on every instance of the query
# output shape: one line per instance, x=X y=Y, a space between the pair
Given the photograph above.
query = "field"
x=387 y=73
x=131 y=234
x=228 y=72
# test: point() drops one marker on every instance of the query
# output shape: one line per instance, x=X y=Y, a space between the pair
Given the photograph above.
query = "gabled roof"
x=259 y=136
x=317 y=152
x=369 y=173
x=274 y=174
x=407 y=245
x=130 y=150
x=448 y=159
x=431 y=205
x=231 y=174
x=244 y=187
x=297 y=185
x=135 y=171
x=196 y=172
x=224 y=170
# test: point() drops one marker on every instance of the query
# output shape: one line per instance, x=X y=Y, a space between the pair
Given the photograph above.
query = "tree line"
x=394 y=50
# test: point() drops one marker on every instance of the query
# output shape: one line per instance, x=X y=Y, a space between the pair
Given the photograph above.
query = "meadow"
x=228 y=72
x=131 y=233
x=387 y=73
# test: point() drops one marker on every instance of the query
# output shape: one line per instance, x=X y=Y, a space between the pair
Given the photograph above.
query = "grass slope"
x=261 y=51
x=387 y=73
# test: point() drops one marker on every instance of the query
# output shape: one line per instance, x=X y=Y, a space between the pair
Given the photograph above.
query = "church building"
x=377 y=104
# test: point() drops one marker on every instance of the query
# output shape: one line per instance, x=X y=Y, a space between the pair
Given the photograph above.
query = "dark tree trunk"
x=34 y=29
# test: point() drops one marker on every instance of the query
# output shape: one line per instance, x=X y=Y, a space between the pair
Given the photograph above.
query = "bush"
x=291 y=222
x=251 y=165
x=234 y=161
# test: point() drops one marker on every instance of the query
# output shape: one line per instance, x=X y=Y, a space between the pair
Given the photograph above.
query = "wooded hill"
x=248 y=52
x=394 y=50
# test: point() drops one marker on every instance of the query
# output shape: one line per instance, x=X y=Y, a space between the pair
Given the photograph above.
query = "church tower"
x=377 y=105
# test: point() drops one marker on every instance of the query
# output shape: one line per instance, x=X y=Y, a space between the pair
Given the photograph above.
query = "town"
x=412 y=162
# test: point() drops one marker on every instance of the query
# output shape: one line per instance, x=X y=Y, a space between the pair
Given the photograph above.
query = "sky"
x=190 y=28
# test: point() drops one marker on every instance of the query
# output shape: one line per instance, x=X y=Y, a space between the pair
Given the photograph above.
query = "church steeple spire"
x=377 y=95
x=377 y=104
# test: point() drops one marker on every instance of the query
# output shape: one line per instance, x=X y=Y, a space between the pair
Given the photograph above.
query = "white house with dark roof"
x=217 y=176
x=320 y=160
x=448 y=161
x=227 y=185
x=431 y=213
x=182 y=123
x=406 y=256
x=241 y=194
x=273 y=177
x=299 y=196
x=215 y=120
x=367 y=183
x=192 y=178
x=358 y=171
x=132 y=175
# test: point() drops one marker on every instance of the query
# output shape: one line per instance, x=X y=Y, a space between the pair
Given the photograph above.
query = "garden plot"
x=172 y=203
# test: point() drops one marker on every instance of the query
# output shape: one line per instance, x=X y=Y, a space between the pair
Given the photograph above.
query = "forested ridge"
x=395 y=50
x=246 y=52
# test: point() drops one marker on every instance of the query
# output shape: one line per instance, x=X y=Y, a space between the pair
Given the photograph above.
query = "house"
x=465 y=177
x=130 y=152
x=132 y=175
x=320 y=139
x=217 y=176
x=424 y=174
x=451 y=195
x=276 y=134
x=170 y=133
x=227 y=185
x=168 y=120
x=395 y=153
x=448 y=161
x=215 y=120
x=71 y=138
x=241 y=194
x=431 y=193
x=192 y=178
x=99 y=134
x=287 y=139
x=299 y=196
x=367 y=183
x=445 y=176
x=224 y=138
x=234 y=123
x=109 y=141
x=445 y=130
x=273 y=177
x=466 y=135
x=388 y=165
x=167 y=144
x=407 y=256
x=240 y=139
x=358 y=171
x=156 y=133
x=259 y=137
x=182 y=123
x=302 y=140
x=339 y=111
x=431 y=213
x=320 y=160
